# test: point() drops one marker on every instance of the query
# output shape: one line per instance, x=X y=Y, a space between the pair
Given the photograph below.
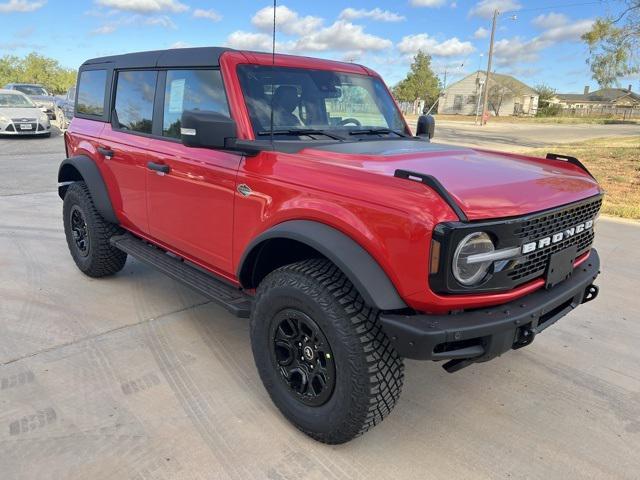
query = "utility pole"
x=486 y=80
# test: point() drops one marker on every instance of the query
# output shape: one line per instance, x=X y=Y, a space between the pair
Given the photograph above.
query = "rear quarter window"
x=91 y=92
x=135 y=94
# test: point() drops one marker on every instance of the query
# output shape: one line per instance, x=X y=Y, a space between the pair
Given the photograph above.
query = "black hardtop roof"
x=175 y=57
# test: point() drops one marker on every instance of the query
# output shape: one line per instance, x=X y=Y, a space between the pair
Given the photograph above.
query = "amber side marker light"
x=435 y=256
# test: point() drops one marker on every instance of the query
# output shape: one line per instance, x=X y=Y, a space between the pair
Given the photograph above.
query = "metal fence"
x=603 y=112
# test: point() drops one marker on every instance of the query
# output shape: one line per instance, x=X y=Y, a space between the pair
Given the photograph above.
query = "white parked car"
x=20 y=116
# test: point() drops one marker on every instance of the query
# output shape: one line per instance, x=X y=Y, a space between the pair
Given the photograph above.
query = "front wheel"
x=321 y=353
x=88 y=234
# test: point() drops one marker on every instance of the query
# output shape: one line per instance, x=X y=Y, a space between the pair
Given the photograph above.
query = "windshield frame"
x=394 y=125
x=21 y=95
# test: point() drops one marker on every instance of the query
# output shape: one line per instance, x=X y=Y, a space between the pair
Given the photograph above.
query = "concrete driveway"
x=515 y=137
x=137 y=377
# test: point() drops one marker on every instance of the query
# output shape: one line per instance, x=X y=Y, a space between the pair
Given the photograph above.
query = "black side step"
x=231 y=298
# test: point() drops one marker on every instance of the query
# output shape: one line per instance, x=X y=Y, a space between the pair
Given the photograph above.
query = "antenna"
x=273 y=70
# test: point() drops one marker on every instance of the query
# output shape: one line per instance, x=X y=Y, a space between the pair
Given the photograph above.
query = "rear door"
x=125 y=144
x=190 y=203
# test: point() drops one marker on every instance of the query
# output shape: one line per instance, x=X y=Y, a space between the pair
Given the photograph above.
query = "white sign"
x=176 y=96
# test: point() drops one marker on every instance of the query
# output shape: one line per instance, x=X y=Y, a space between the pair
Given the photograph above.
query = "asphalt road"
x=137 y=377
x=524 y=136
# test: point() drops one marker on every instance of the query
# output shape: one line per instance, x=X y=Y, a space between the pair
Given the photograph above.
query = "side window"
x=191 y=90
x=135 y=92
x=91 y=91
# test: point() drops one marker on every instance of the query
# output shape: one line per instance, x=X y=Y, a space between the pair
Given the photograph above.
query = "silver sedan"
x=20 y=116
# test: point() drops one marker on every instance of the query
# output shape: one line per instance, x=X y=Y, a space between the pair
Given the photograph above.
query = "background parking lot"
x=136 y=376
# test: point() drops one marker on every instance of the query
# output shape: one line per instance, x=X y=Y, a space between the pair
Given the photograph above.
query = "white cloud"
x=410 y=44
x=427 y=3
x=342 y=36
x=485 y=8
x=145 y=6
x=374 y=14
x=516 y=50
x=480 y=33
x=249 y=41
x=287 y=21
x=550 y=20
x=105 y=29
x=136 y=20
x=180 y=44
x=161 y=21
x=21 y=6
x=208 y=14
x=567 y=33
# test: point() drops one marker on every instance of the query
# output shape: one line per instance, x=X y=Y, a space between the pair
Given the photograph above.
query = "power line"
x=555 y=7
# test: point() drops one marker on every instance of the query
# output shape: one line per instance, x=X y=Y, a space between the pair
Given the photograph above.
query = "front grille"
x=545 y=225
x=516 y=232
x=535 y=263
x=21 y=121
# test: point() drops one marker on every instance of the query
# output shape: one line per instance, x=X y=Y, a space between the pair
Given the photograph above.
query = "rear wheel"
x=321 y=353
x=88 y=234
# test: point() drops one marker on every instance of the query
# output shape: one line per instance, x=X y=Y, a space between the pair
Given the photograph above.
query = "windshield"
x=12 y=100
x=318 y=101
x=31 y=89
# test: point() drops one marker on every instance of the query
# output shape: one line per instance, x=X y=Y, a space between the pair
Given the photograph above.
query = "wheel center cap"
x=308 y=352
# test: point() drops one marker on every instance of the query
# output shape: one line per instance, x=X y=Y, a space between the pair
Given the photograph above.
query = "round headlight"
x=472 y=273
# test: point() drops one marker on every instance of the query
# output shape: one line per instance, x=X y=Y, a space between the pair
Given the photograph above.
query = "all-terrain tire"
x=99 y=258
x=368 y=371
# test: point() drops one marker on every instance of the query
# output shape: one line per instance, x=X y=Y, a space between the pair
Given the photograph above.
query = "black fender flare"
x=354 y=261
x=88 y=172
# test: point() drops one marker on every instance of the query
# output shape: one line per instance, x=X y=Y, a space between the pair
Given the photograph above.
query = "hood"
x=22 y=112
x=484 y=184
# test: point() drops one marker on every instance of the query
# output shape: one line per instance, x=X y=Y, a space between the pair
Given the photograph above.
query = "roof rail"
x=433 y=182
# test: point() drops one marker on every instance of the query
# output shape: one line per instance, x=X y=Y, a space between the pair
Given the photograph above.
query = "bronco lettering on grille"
x=556 y=237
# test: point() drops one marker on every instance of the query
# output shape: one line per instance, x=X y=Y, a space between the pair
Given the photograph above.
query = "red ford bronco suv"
x=290 y=190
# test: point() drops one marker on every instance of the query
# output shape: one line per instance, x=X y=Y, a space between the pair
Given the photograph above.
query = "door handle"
x=107 y=152
x=161 y=168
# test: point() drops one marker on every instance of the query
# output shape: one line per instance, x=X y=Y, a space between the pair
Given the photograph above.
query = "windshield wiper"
x=376 y=131
x=301 y=131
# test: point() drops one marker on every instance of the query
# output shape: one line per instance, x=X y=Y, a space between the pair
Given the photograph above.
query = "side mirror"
x=426 y=126
x=207 y=129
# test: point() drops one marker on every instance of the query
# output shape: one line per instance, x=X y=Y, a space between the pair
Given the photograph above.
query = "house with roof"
x=507 y=96
x=600 y=100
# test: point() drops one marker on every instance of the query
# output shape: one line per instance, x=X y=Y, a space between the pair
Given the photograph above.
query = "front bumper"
x=13 y=130
x=482 y=334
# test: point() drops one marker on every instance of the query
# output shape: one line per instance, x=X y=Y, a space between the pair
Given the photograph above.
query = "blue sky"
x=541 y=44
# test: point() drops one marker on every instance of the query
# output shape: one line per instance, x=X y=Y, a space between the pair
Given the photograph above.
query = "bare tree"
x=502 y=89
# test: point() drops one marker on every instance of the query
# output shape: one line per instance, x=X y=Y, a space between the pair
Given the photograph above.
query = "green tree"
x=614 y=43
x=546 y=107
x=36 y=68
x=420 y=82
x=545 y=93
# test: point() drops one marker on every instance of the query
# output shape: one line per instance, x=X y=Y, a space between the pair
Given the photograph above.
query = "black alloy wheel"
x=303 y=356
x=79 y=231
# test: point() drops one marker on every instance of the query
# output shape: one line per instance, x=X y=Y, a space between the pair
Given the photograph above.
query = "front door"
x=190 y=191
